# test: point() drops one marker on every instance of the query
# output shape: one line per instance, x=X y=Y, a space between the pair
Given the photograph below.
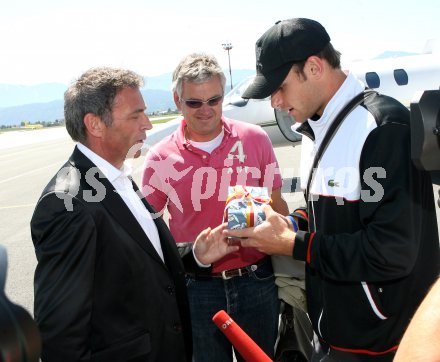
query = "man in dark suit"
x=109 y=284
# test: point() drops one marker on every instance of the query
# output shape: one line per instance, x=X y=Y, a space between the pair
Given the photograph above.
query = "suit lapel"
x=116 y=206
x=167 y=242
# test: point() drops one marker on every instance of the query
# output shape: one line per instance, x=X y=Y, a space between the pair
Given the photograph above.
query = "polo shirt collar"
x=182 y=143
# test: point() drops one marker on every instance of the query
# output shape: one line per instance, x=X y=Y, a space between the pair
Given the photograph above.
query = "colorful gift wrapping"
x=244 y=206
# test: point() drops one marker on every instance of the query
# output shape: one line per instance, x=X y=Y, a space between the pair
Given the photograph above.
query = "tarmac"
x=28 y=159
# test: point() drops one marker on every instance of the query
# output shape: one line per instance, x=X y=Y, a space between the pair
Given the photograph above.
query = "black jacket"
x=102 y=293
x=372 y=249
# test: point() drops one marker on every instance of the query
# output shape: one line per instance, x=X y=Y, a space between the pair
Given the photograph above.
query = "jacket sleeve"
x=65 y=246
x=386 y=244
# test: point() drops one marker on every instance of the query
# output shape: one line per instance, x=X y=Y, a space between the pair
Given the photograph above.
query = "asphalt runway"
x=27 y=161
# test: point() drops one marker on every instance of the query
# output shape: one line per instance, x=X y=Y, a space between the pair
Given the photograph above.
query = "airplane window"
x=401 y=76
x=234 y=95
x=372 y=79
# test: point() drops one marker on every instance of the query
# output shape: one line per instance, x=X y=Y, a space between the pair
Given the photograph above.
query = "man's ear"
x=315 y=66
x=94 y=124
x=177 y=101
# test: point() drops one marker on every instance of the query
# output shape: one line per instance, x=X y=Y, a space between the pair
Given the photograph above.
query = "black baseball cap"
x=287 y=42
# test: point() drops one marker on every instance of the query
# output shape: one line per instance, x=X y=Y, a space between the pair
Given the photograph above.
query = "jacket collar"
x=316 y=129
x=114 y=204
x=182 y=142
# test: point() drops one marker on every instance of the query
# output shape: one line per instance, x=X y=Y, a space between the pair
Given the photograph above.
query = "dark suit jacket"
x=102 y=293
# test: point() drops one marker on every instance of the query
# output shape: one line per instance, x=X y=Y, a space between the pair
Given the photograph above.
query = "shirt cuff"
x=197 y=260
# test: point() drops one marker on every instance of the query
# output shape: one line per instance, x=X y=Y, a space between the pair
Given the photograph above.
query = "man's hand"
x=275 y=236
x=212 y=245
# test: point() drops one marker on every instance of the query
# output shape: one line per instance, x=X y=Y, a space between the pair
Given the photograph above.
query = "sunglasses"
x=195 y=103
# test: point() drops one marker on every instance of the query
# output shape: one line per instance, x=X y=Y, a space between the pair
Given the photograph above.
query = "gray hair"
x=94 y=92
x=198 y=68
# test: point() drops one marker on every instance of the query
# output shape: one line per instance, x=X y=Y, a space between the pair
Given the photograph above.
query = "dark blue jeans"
x=252 y=302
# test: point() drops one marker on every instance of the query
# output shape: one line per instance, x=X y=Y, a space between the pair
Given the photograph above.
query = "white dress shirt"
x=124 y=187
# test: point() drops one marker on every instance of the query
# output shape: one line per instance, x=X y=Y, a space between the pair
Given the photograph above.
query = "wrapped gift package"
x=244 y=206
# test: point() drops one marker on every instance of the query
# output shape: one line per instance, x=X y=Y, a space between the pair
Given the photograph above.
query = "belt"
x=232 y=273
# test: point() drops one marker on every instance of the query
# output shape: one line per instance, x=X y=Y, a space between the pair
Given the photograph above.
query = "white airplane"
x=399 y=77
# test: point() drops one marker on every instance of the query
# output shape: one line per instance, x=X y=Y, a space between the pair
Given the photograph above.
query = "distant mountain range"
x=44 y=102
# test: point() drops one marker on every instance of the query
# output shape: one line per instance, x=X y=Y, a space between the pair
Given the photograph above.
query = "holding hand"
x=275 y=236
x=211 y=245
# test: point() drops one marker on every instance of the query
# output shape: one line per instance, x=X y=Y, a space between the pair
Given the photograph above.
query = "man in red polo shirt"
x=189 y=173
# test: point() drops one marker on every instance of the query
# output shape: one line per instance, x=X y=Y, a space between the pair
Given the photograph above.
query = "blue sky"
x=56 y=40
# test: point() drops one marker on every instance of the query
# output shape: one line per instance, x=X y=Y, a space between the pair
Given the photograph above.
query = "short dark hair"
x=328 y=53
x=94 y=92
